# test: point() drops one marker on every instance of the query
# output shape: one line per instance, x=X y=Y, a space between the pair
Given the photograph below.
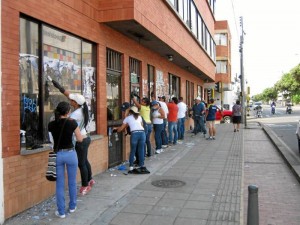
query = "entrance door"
x=114 y=117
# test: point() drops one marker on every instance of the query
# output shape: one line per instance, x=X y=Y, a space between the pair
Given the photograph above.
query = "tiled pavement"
x=212 y=191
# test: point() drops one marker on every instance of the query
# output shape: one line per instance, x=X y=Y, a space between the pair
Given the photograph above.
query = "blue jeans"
x=148 y=150
x=199 y=125
x=202 y=125
x=172 y=130
x=164 y=136
x=180 y=128
x=83 y=162
x=137 y=144
x=66 y=159
x=158 y=133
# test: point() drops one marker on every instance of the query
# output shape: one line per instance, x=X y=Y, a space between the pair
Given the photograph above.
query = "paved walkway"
x=196 y=182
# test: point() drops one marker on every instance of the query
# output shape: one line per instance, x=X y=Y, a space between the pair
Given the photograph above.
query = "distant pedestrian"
x=210 y=119
x=182 y=108
x=198 y=116
x=236 y=115
x=164 y=136
x=172 y=121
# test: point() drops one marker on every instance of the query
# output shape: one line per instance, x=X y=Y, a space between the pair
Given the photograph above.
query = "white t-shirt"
x=181 y=110
x=79 y=117
x=165 y=108
x=134 y=124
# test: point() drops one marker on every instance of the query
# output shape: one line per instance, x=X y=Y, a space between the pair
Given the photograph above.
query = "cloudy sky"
x=271 y=40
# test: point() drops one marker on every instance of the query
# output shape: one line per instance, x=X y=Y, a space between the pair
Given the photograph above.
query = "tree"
x=270 y=94
x=295 y=72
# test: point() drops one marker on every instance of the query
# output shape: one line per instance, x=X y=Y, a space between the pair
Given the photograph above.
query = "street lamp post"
x=242 y=76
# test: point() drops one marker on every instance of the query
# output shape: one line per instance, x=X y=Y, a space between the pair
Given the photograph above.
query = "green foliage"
x=269 y=94
x=288 y=85
x=296 y=99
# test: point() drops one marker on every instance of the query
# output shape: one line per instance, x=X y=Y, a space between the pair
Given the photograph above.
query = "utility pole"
x=242 y=76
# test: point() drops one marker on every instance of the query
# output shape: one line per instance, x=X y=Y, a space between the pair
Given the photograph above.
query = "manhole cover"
x=168 y=183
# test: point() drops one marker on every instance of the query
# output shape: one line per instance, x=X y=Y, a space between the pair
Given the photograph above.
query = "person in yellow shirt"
x=144 y=107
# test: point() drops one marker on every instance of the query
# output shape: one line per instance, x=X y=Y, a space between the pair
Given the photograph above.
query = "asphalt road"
x=284 y=125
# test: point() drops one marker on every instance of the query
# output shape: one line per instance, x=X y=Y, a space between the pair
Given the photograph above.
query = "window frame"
x=42 y=140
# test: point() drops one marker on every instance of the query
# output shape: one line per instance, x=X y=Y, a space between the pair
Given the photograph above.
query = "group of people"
x=71 y=140
x=145 y=115
x=68 y=133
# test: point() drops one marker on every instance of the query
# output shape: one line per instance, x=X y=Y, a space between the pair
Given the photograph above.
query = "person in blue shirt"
x=198 y=116
x=210 y=119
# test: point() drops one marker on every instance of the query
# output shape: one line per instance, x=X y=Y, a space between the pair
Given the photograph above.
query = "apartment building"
x=223 y=85
x=104 y=50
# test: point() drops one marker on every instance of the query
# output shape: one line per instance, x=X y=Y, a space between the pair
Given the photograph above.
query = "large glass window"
x=194 y=18
x=190 y=15
x=48 y=53
x=221 y=39
x=174 y=88
x=221 y=66
x=135 y=74
x=151 y=86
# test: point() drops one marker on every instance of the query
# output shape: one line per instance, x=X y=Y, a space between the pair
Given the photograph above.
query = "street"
x=284 y=125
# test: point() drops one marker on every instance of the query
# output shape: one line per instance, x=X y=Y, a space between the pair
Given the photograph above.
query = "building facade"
x=104 y=50
x=223 y=82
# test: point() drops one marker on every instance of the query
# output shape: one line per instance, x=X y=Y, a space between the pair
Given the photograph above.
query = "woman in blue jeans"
x=61 y=132
x=81 y=115
x=137 y=139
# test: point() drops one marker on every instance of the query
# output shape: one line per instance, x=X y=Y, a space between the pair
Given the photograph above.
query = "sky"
x=271 y=38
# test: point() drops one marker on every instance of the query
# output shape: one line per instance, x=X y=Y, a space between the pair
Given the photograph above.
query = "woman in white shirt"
x=158 y=116
x=137 y=139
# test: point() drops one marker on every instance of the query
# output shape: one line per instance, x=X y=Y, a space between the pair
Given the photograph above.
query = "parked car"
x=225 y=116
x=298 y=135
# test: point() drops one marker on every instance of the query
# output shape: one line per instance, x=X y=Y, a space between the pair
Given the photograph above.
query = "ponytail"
x=85 y=114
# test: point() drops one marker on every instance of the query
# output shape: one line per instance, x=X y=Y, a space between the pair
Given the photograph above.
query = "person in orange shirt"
x=172 y=120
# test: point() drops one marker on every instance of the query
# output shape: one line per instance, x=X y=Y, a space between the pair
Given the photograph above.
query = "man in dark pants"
x=198 y=116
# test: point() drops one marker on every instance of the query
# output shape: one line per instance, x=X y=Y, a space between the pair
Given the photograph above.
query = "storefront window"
x=135 y=74
x=174 y=89
x=151 y=87
x=64 y=58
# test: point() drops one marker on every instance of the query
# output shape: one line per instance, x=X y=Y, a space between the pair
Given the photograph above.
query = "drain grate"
x=167 y=183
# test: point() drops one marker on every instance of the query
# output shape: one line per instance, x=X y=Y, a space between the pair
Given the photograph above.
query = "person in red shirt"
x=172 y=120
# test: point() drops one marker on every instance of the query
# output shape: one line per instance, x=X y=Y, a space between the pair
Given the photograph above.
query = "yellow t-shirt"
x=145 y=113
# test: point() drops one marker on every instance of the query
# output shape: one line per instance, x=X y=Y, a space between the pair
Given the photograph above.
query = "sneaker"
x=158 y=151
x=209 y=138
x=214 y=138
x=179 y=141
x=162 y=150
x=72 y=210
x=84 y=190
x=92 y=182
x=164 y=146
x=234 y=130
x=130 y=168
x=60 y=216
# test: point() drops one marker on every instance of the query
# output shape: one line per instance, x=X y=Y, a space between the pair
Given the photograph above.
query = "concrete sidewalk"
x=197 y=182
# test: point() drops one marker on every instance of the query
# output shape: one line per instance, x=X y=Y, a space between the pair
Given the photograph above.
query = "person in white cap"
x=137 y=139
x=198 y=116
x=81 y=115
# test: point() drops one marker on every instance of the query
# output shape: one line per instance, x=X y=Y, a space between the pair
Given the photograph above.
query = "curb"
x=292 y=160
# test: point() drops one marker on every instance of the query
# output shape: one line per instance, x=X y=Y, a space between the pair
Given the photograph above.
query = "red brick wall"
x=79 y=17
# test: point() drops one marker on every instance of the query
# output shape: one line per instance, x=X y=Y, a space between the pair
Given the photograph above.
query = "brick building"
x=224 y=90
x=104 y=50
